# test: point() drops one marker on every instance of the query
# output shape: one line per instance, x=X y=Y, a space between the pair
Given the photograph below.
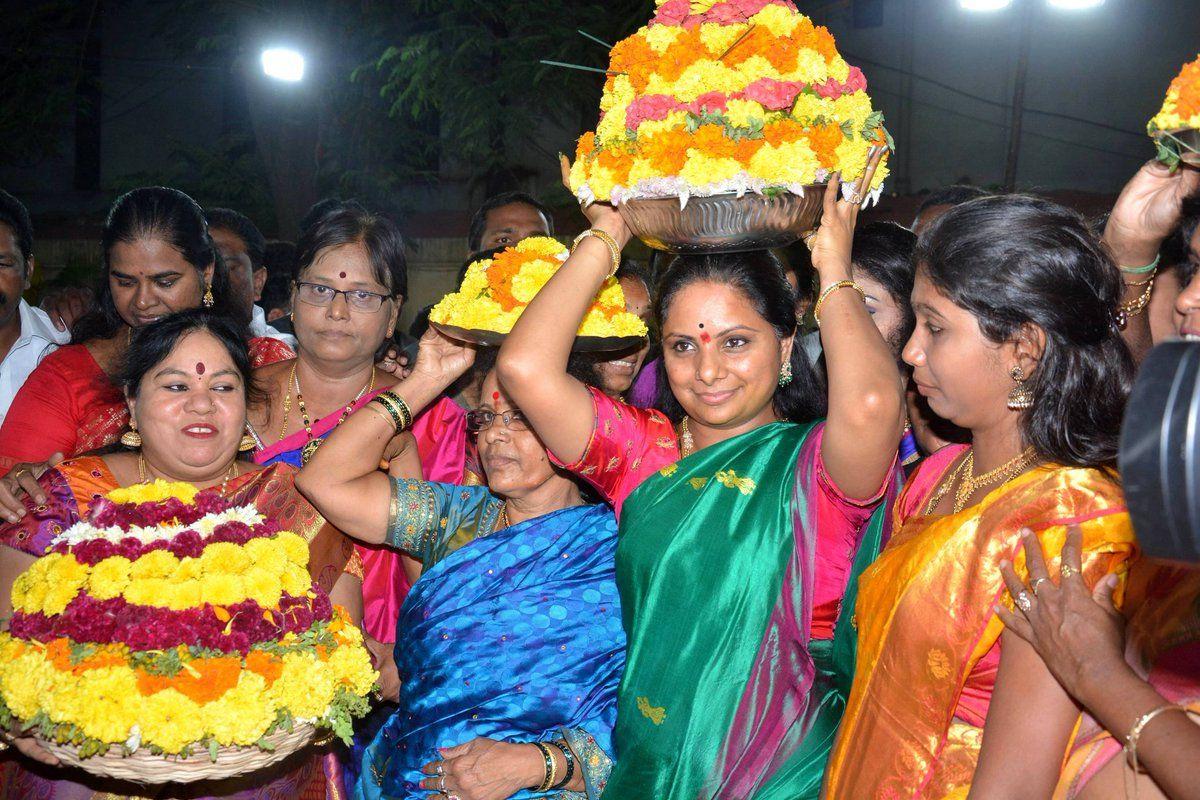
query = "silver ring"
x=442 y=783
x=1023 y=602
x=1067 y=571
x=854 y=198
x=1034 y=585
x=440 y=769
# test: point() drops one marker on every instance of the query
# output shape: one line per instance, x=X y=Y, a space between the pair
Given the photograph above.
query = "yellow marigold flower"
x=155 y=564
x=544 y=246
x=224 y=557
x=700 y=169
x=102 y=702
x=612 y=125
x=242 y=715
x=855 y=107
x=351 y=666
x=296 y=581
x=676 y=120
x=262 y=587
x=109 y=578
x=780 y=21
x=741 y=113
x=811 y=67
x=154 y=492
x=65 y=579
x=266 y=555
x=221 y=589
x=183 y=594
x=24 y=681
x=170 y=720
x=839 y=70
x=189 y=569
x=709 y=76
x=602 y=181
x=642 y=170
x=756 y=67
x=305 y=686
x=532 y=277
x=660 y=37
x=808 y=108
x=852 y=157
x=717 y=37
x=793 y=162
x=294 y=547
x=150 y=592
x=475 y=280
x=619 y=96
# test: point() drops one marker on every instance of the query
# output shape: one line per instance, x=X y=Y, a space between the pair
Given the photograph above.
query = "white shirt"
x=259 y=327
x=39 y=338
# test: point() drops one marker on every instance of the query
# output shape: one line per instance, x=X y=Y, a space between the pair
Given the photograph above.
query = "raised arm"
x=1147 y=211
x=343 y=480
x=866 y=395
x=532 y=365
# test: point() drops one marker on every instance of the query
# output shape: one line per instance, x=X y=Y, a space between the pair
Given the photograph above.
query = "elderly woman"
x=186 y=380
x=510 y=645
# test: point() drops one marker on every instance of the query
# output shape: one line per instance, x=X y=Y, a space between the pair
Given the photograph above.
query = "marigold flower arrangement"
x=726 y=96
x=174 y=621
x=1180 y=111
x=495 y=291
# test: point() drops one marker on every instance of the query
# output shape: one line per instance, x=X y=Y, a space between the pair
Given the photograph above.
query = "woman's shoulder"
x=69 y=359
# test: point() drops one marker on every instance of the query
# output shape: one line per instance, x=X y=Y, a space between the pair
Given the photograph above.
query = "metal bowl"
x=1186 y=142
x=583 y=344
x=724 y=223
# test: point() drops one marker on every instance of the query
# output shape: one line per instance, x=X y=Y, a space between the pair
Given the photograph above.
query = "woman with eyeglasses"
x=510 y=645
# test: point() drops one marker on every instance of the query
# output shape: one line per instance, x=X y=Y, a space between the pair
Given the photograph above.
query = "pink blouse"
x=629 y=444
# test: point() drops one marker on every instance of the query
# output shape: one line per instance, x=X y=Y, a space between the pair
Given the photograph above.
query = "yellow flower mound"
x=1181 y=107
x=495 y=291
x=154 y=492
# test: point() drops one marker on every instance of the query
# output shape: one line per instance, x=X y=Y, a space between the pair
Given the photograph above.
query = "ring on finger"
x=439 y=769
x=442 y=782
x=1067 y=571
x=1037 y=582
x=1023 y=602
x=854 y=198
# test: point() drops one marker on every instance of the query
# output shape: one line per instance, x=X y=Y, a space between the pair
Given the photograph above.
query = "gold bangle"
x=551 y=768
x=397 y=408
x=614 y=250
x=830 y=289
x=1135 y=733
x=1135 y=307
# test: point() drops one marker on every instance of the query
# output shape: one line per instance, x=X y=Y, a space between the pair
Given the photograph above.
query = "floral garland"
x=173 y=621
x=720 y=97
x=495 y=291
x=1180 y=111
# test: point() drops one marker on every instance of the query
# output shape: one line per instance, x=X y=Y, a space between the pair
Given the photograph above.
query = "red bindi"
x=341 y=275
x=495 y=395
x=199 y=367
x=704 y=337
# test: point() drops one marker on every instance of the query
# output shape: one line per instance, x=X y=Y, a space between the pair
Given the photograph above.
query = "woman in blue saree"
x=510 y=645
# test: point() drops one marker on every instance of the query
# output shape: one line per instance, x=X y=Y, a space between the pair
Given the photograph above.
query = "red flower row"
x=115 y=621
x=186 y=544
x=105 y=513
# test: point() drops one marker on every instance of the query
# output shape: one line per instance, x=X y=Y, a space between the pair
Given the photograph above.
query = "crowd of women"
x=900 y=568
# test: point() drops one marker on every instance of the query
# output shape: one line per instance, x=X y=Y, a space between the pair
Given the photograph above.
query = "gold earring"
x=1021 y=397
x=247 y=443
x=208 y=297
x=785 y=373
x=131 y=438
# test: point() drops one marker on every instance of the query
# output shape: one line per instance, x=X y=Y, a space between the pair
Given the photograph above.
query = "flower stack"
x=1174 y=126
x=496 y=290
x=726 y=97
x=172 y=623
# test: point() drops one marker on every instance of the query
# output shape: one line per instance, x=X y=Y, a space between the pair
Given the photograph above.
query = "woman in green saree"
x=741 y=531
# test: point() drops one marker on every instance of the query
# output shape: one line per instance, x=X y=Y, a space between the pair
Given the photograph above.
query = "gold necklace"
x=314 y=444
x=687 y=444
x=144 y=478
x=287 y=402
x=969 y=483
x=503 y=517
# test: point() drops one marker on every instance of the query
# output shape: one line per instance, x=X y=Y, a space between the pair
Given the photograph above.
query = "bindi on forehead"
x=704 y=337
x=495 y=396
x=342 y=275
x=199 y=367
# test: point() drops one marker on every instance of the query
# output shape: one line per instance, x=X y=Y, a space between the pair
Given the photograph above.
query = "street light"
x=985 y=5
x=283 y=63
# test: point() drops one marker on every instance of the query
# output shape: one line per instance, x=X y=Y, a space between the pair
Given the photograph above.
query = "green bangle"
x=1153 y=265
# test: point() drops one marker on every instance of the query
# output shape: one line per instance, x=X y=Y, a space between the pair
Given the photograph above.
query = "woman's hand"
x=442 y=360
x=1078 y=633
x=484 y=769
x=394 y=363
x=21 y=482
x=30 y=748
x=832 y=241
x=603 y=216
x=384 y=661
x=1147 y=211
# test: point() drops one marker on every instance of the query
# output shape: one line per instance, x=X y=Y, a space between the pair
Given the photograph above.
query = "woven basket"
x=144 y=767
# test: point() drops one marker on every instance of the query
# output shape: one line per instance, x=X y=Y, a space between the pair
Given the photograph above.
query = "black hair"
x=479 y=218
x=277 y=291
x=152 y=212
x=239 y=224
x=349 y=223
x=150 y=345
x=324 y=206
x=580 y=366
x=634 y=268
x=1014 y=260
x=758 y=275
x=883 y=251
x=1177 y=250
x=798 y=261
x=954 y=195
x=14 y=214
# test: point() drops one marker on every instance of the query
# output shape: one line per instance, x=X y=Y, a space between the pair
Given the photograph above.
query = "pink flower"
x=650 y=107
x=672 y=12
x=832 y=90
x=712 y=102
x=772 y=94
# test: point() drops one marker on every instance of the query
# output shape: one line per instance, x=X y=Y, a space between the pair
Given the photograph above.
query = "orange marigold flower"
x=783 y=131
x=824 y=141
x=1187 y=84
x=202 y=680
x=667 y=152
x=711 y=141
x=265 y=664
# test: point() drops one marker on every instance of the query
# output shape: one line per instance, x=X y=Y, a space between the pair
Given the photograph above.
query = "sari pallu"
x=926 y=629
x=70 y=489
x=726 y=537
x=514 y=635
x=1162 y=608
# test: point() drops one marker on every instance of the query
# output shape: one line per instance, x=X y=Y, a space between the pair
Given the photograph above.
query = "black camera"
x=1160 y=453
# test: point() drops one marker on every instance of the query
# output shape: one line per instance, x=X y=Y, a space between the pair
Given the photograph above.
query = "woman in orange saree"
x=939 y=703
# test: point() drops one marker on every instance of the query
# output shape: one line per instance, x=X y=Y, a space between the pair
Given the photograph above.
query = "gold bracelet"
x=830 y=289
x=551 y=768
x=614 y=250
x=1135 y=733
x=1135 y=307
x=396 y=406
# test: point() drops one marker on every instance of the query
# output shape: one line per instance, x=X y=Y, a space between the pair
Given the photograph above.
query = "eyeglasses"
x=481 y=420
x=318 y=294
